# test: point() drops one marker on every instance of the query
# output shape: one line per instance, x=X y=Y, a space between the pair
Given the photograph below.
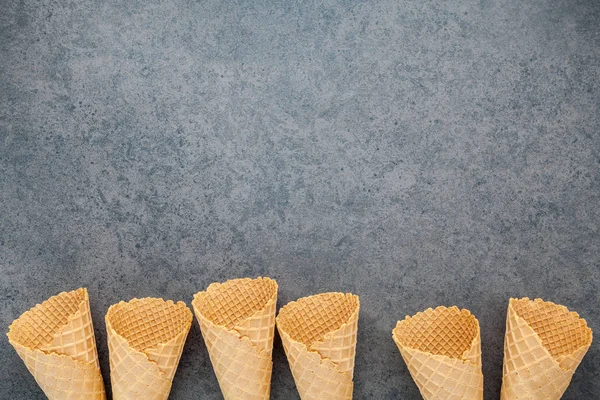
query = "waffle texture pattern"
x=544 y=344
x=319 y=337
x=442 y=350
x=145 y=342
x=237 y=321
x=56 y=341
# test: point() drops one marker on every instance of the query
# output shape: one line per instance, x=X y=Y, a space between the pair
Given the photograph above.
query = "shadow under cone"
x=319 y=337
x=56 y=341
x=237 y=321
x=145 y=342
x=543 y=345
x=442 y=350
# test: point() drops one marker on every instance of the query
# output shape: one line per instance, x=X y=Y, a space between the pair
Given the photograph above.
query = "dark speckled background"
x=416 y=153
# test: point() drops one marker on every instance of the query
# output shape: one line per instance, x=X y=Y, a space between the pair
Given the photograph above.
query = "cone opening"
x=309 y=319
x=227 y=304
x=144 y=323
x=560 y=330
x=443 y=331
x=35 y=328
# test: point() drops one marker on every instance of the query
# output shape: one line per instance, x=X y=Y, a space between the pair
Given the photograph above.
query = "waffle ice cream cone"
x=319 y=337
x=56 y=341
x=145 y=341
x=442 y=350
x=543 y=346
x=237 y=320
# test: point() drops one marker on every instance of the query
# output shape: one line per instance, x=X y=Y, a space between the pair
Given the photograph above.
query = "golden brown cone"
x=56 y=341
x=237 y=321
x=442 y=350
x=145 y=342
x=319 y=337
x=543 y=345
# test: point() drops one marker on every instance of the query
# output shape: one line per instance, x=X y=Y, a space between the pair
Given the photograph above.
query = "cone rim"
x=40 y=306
x=216 y=285
x=306 y=298
x=180 y=304
x=572 y=314
x=407 y=318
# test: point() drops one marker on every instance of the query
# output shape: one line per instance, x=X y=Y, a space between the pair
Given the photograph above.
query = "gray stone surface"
x=416 y=153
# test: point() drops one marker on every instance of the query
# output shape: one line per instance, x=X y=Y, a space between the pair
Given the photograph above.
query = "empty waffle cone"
x=145 y=341
x=319 y=337
x=237 y=320
x=56 y=341
x=543 y=346
x=442 y=350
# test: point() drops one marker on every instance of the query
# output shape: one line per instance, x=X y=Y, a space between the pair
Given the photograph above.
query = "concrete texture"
x=416 y=153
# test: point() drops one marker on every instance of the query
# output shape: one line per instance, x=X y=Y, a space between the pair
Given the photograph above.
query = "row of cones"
x=146 y=336
x=544 y=344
